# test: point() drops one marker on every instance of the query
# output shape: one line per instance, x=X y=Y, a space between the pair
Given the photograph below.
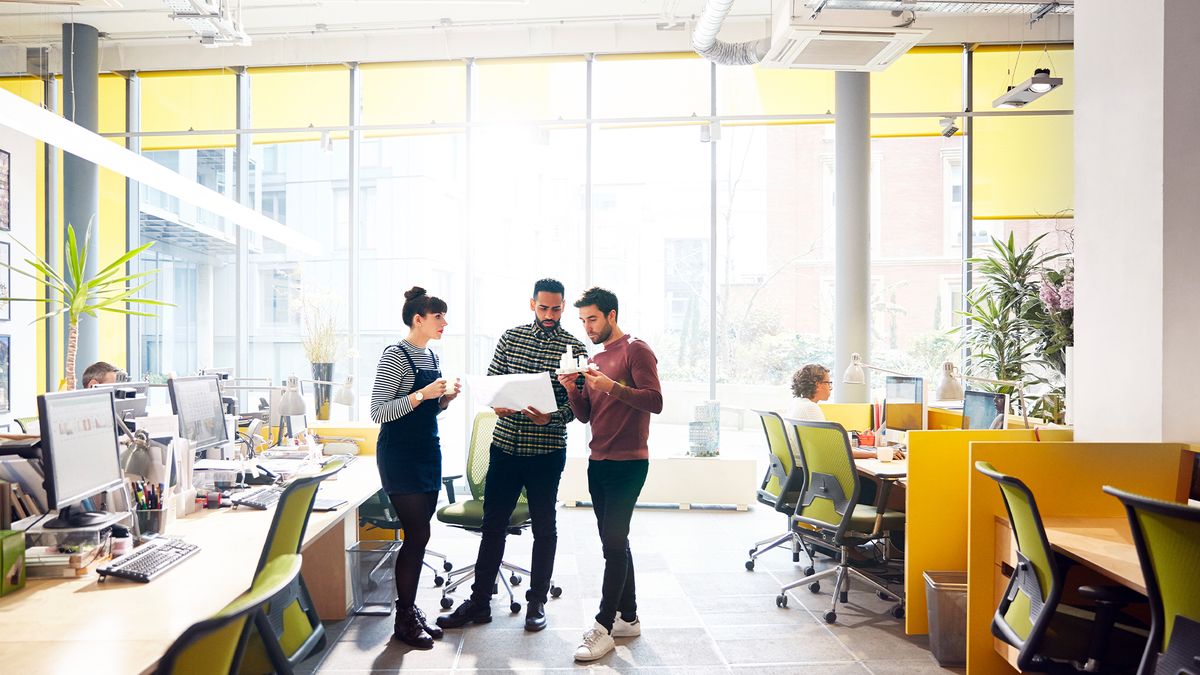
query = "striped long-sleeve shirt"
x=529 y=349
x=394 y=380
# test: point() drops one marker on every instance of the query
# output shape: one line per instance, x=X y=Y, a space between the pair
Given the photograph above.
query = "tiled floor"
x=701 y=611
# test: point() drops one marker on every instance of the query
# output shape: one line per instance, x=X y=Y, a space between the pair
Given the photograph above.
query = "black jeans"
x=506 y=475
x=615 y=486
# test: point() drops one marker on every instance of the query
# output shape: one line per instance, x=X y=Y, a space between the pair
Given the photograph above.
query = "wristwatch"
x=419 y=396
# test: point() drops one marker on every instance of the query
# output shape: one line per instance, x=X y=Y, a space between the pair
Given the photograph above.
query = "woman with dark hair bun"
x=408 y=395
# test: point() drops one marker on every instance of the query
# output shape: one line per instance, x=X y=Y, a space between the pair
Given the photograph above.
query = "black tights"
x=414 y=511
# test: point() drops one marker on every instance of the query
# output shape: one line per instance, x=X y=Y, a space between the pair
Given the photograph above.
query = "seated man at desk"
x=101 y=372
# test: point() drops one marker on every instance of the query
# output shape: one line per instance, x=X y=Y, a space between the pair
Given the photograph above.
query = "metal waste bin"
x=372 y=569
x=946 y=599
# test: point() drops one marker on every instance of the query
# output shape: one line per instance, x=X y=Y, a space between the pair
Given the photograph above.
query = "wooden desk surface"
x=118 y=626
x=895 y=469
x=1103 y=544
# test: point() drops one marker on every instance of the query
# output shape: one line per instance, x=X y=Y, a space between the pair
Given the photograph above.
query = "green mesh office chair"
x=829 y=503
x=29 y=425
x=216 y=645
x=1049 y=635
x=294 y=629
x=468 y=514
x=780 y=490
x=1168 y=544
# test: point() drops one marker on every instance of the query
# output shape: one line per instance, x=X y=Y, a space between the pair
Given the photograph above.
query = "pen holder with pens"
x=154 y=520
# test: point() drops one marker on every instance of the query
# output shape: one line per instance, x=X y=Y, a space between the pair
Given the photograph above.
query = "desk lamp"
x=949 y=388
x=345 y=392
x=856 y=371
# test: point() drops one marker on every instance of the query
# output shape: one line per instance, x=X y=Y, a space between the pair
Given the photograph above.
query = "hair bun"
x=415 y=292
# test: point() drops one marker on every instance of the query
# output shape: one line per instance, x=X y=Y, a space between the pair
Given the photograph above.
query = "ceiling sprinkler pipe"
x=706 y=44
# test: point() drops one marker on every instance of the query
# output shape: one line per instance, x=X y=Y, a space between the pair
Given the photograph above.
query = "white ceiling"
x=140 y=35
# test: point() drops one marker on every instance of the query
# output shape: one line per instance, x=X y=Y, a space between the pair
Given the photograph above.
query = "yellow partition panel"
x=852 y=416
x=1065 y=479
x=366 y=433
x=936 y=508
x=940 y=418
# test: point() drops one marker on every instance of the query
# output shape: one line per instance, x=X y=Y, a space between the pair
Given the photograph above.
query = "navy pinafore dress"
x=409 y=453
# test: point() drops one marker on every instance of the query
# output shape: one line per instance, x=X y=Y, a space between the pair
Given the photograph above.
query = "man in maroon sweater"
x=617 y=400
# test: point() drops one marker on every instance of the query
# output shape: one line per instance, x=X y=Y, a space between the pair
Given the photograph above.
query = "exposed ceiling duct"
x=706 y=44
x=1038 y=8
x=217 y=22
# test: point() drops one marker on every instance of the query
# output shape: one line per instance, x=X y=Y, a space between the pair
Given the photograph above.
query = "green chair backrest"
x=479 y=452
x=1032 y=595
x=292 y=512
x=780 y=450
x=830 y=480
x=29 y=425
x=215 y=645
x=1167 y=536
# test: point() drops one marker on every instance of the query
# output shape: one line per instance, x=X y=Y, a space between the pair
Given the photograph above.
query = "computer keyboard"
x=148 y=561
x=261 y=499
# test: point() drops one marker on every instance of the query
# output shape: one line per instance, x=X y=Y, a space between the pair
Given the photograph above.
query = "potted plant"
x=76 y=296
x=318 y=318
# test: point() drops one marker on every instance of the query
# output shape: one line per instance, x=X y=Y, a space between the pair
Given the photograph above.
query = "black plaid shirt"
x=529 y=349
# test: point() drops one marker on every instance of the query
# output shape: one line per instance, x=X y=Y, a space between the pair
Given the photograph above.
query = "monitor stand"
x=76 y=516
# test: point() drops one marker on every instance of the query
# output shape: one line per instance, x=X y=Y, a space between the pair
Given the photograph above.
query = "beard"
x=603 y=336
x=547 y=329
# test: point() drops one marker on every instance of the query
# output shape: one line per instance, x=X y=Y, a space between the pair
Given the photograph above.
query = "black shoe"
x=467 y=612
x=409 y=630
x=535 y=616
x=434 y=632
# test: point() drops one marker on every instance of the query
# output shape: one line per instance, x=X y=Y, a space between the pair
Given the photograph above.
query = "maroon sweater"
x=621 y=420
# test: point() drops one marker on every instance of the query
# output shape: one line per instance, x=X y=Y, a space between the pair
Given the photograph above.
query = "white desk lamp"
x=949 y=388
x=345 y=391
x=856 y=371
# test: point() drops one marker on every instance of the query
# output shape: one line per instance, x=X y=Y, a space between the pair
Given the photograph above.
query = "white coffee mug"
x=884 y=454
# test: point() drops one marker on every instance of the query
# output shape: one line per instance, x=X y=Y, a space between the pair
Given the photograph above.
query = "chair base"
x=797 y=544
x=843 y=572
x=462 y=575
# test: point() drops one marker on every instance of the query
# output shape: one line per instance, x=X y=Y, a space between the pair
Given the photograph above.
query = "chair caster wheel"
x=446 y=566
x=514 y=579
x=515 y=607
x=830 y=617
x=795 y=557
x=809 y=571
x=555 y=591
x=815 y=587
x=844 y=597
x=898 y=611
x=884 y=596
x=750 y=565
x=781 y=601
x=447 y=603
x=439 y=580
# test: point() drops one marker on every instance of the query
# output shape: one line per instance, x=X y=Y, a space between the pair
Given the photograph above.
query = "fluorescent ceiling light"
x=1029 y=90
x=20 y=115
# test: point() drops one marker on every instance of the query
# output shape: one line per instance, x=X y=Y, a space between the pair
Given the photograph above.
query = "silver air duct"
x=706 y=44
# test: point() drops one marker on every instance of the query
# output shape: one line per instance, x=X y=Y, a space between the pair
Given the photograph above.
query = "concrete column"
x=851 y=330
x=1135 y=237
x=81 y=178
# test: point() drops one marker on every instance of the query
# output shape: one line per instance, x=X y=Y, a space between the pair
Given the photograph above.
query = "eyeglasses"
x=828 y=382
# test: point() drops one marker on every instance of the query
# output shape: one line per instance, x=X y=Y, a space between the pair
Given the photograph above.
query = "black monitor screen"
x=984 y=410
x=79 y=445
x=197 y=402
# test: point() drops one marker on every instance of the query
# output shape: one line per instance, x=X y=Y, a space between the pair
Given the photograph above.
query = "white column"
x=1136 y=197
x=852 y=124
x=207 y=315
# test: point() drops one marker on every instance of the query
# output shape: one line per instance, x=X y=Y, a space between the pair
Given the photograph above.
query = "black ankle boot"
x=434 y=632
x=409 y=629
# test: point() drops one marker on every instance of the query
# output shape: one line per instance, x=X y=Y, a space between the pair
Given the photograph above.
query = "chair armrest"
x=448 y=483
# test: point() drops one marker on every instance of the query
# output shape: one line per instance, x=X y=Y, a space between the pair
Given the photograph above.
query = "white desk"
x=81 y=625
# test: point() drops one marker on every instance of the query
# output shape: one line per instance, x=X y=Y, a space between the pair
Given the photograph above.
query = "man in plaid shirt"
x=529 y=450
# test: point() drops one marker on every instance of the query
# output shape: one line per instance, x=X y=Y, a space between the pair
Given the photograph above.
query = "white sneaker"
x=623 y=628
x=596 y=643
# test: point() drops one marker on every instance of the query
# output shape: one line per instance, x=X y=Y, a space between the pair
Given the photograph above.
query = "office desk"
x=887 y=473
x=1103 y=544
x=81 y=625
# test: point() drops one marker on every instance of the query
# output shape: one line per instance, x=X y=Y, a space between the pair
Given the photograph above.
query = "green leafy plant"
x=76 y=296
x=1006 y=314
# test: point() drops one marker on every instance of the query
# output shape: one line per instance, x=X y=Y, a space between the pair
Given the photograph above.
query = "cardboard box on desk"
x=12 y=561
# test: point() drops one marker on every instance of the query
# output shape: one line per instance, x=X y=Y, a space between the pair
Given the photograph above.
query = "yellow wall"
x=1065 y=479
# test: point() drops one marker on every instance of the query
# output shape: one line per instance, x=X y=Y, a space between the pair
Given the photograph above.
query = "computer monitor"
x=904 y=403
x=223 y=373
x=197 y=403
x=130 y=398
x=985 y=410
x=79 y=452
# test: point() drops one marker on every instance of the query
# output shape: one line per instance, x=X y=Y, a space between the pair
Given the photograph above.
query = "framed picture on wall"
x=5 y=282
x=5 y=193
x=5 y=369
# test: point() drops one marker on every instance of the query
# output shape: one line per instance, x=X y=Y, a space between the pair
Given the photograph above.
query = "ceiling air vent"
x=797 y=45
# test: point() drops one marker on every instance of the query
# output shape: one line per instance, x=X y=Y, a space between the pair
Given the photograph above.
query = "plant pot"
x=323 y=392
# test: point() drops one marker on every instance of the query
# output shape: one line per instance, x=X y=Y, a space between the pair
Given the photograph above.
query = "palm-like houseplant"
x=76 y=296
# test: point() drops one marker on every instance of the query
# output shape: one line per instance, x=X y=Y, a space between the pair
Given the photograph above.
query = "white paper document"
x=514 y=391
